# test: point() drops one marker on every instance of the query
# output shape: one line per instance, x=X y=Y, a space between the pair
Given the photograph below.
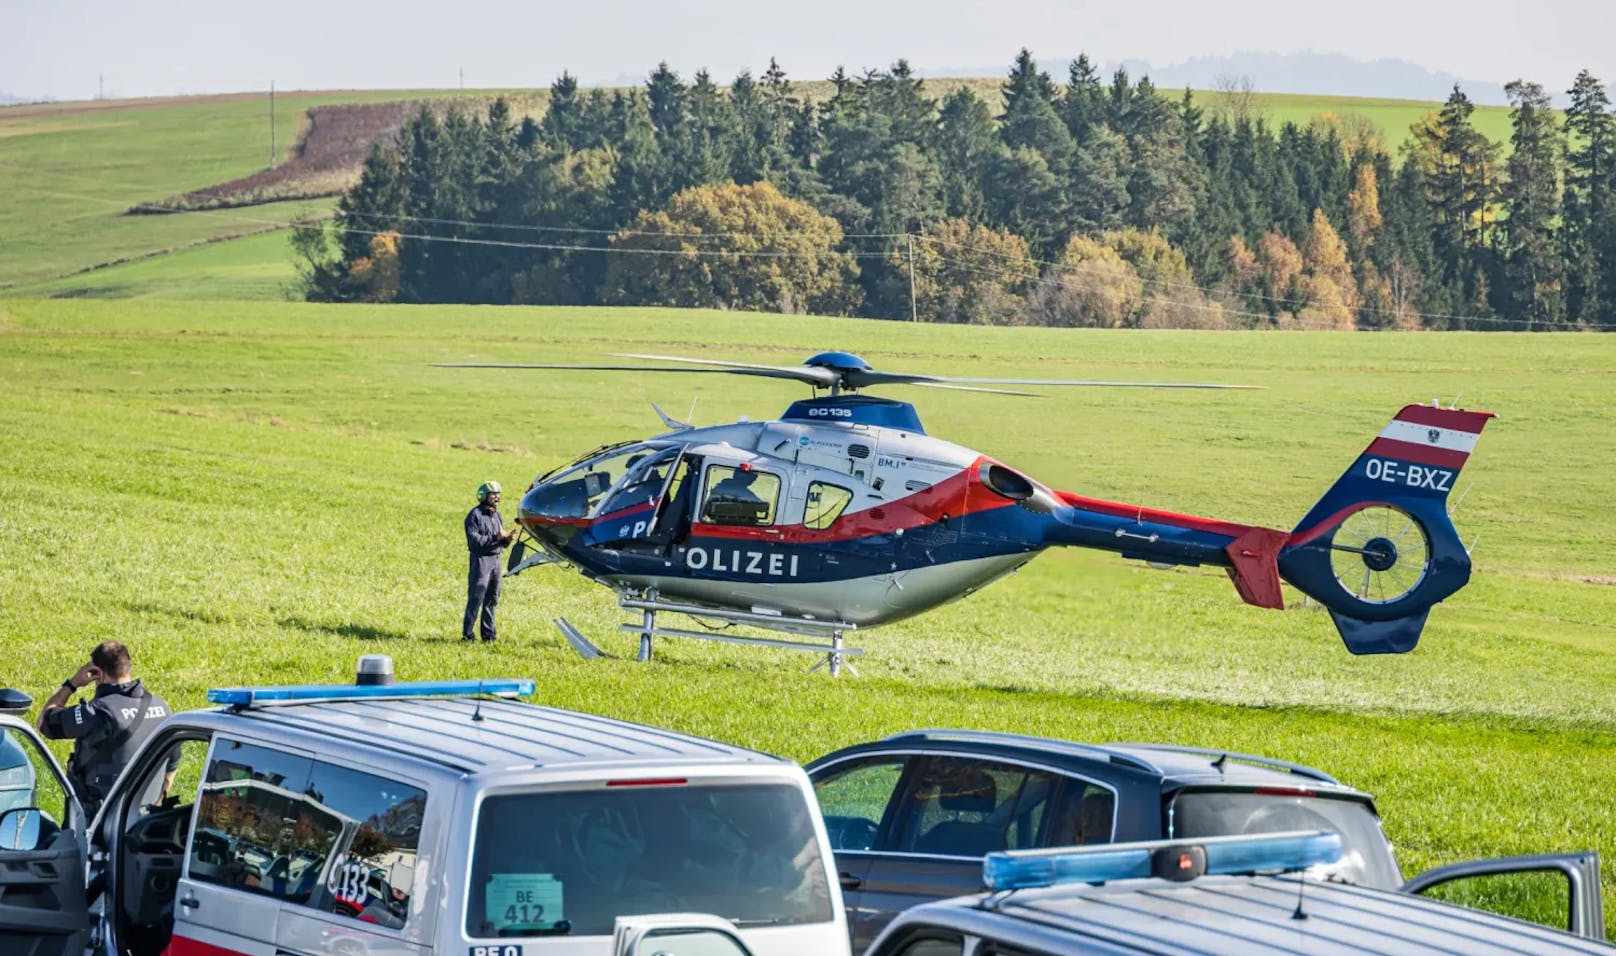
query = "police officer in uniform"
x=486 y=537
x=107 y=729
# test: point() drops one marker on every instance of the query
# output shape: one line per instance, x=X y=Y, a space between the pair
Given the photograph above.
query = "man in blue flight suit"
x=108 y=729
x=486 y=537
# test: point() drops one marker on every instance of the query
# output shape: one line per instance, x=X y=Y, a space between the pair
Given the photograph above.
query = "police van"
x=415 y=819
x=1244 y=895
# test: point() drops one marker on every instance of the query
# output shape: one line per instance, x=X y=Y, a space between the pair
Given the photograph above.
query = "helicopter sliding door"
x=650 y=507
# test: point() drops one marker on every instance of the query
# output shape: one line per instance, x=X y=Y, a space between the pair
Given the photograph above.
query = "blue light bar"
x=249 y=696
x=1256 y=853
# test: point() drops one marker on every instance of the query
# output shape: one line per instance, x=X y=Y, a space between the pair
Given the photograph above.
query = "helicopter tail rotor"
x=1379 y=549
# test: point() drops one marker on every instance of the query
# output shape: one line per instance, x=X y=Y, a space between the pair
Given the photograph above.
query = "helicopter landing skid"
x=829 y=634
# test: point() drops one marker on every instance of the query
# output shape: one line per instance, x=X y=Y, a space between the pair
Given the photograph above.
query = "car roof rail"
x=1300 y=770
x=241 y=698
x=1097 y=751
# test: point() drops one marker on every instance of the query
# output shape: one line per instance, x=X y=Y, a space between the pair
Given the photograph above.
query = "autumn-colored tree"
x=1325 y=257
x=1090 y=287
x=1172 y=300
x=1242 y=262
x=732 y=247
x=1325 y=306
x=1279 y=262
x=375 y=277
x=1363 y=205
x=967 y=273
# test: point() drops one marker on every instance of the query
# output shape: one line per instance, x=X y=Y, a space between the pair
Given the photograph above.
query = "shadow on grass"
x=192 y=615
x=360 y=632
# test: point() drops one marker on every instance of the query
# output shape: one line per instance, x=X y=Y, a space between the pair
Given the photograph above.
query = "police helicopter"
x=844 y=514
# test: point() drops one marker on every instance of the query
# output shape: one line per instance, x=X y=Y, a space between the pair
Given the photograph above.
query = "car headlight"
x=18 y=776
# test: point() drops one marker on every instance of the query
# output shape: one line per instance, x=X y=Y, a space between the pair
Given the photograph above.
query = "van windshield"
x=1366 y=857
x=571 y=862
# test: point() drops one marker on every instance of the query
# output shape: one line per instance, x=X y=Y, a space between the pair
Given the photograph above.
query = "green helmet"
x=488 y=488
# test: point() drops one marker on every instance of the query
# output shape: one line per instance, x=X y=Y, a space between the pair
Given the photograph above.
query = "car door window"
x=257 y=806
x=854 y=799
x=371 y=871
x=1537 y=896
x=960 y=806
x=1085 y=813
x=28 y=780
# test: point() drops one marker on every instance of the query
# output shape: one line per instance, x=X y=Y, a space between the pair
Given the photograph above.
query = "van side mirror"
x=676 y=934
x=20 y=828
x=14 y=701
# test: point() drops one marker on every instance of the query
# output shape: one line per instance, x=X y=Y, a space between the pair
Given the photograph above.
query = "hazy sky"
x=155 y=47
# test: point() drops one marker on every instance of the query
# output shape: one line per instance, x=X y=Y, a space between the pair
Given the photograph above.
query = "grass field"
x=68 y=172
x=258 y=492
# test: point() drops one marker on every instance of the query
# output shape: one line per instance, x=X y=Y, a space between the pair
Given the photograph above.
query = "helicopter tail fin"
x=1379 y=548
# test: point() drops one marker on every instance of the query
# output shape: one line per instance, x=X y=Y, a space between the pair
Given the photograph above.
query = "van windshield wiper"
x=558 y=928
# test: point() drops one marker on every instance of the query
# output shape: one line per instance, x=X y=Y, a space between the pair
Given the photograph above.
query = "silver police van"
x=416 y=820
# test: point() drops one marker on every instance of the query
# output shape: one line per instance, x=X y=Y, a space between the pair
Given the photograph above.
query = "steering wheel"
x=854 y=833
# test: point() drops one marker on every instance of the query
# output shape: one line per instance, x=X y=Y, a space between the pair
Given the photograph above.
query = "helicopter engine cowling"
x=1012 y=484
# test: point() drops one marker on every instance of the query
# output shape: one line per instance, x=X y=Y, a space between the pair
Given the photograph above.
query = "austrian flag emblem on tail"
x=1434 y=435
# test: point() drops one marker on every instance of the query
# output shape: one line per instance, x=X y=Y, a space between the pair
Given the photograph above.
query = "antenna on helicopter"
x=673 y=423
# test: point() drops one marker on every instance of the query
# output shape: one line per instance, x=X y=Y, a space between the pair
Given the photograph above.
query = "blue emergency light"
x=1170 y=859
x=491 y=687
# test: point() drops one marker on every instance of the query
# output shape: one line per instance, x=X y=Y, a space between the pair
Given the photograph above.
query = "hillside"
x=69 y=171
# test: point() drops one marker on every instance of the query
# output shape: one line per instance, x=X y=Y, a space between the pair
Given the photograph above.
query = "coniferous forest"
x=1100 y=202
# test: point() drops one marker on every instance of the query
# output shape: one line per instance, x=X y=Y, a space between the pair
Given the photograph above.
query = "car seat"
x=974 y=793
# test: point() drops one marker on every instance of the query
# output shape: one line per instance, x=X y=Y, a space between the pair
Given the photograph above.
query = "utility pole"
x=462 y=77
x=271 y=124
x=100 y=86
x=914 y=316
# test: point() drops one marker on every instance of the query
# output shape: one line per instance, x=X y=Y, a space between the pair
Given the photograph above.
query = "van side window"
x=256 y=813
x=740 y=496
x=371 y=875
x=824 y=505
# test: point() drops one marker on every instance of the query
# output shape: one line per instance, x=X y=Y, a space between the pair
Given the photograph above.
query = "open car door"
x=1524 y=887
x=43 y=910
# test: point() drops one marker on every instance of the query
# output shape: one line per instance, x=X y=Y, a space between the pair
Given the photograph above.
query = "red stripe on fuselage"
x=182 y=946
x=1118 y=509
x=1421 y=454
x=1457 y=419
x=959 y=494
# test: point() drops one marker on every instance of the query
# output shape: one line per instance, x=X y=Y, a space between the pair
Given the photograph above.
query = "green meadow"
x=260 y=492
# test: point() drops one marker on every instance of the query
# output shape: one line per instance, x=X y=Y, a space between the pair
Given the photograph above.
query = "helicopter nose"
x=555 y=500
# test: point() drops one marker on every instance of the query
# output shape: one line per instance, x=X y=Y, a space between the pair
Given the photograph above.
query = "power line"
x=592 y=231
x=1208 y=306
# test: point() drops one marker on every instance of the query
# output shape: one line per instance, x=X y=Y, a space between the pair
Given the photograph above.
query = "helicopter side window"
x=824 y=505
x=740 y=496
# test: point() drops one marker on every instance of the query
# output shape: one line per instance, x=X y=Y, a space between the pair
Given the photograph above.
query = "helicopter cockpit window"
x=740 y=496
x=647 y=473
x=824 y=505
x=575 y=492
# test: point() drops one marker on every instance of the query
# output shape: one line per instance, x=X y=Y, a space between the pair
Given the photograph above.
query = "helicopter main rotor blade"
x=765 y=372
x=860 y=379
x=973 y=388
x=813 y=375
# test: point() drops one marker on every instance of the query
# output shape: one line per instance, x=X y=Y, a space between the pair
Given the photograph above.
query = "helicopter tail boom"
x=1378 y=550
